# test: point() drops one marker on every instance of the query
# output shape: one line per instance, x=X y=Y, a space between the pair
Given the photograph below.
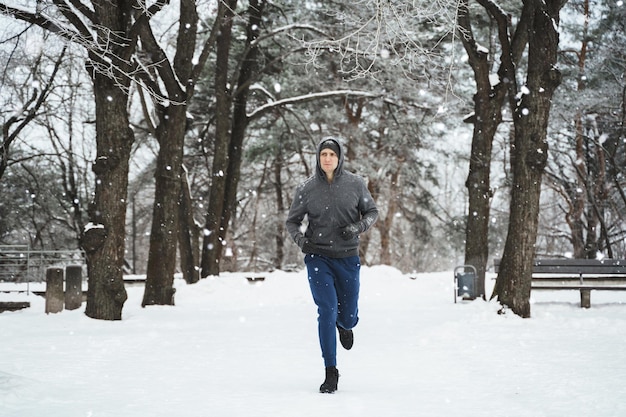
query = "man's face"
x=329 y=161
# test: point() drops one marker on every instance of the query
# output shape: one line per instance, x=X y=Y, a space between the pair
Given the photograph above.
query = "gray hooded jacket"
x=330 y=207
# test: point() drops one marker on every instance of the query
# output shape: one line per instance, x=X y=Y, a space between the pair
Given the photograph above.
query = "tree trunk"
x=574 y=216
x=104 y=243
x=597 y=190
x=488 y=102
x=579 y=199
x=385 y=224
x=478 y=184
x=159 y=288
x=170 y=134
x=240 y=120
x=188 y=235
x=280 y=208
x=227 y=187
x=212 y=244
x=529 y=155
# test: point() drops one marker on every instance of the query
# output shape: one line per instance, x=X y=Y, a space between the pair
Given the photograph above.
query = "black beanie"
x=330 y=144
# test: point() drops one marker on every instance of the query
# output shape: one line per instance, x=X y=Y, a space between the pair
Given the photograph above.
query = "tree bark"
x=159 y=288
x=578 y=192
x=226 y=188
x=104 y=244
x=529 y=155
x=385 y=224
x=478 y=183
x=188 y=235
x=488 y=102
x=279 y=165
x=212 y=242
x=574 y=216
x=170 y=133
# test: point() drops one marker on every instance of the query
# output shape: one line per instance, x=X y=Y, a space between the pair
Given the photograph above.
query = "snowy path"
x=230 y=348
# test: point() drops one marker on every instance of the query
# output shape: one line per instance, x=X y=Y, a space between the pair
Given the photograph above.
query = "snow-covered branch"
x=259 y=111
x=384 y=33
x=289 y=28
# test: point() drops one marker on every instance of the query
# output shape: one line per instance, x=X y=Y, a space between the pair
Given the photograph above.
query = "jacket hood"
x=339 y=169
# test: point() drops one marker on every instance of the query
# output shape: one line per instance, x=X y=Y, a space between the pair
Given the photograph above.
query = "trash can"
x=465 y=282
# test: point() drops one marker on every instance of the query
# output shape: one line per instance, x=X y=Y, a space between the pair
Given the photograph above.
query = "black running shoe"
x=330 y=383
x=346 y=337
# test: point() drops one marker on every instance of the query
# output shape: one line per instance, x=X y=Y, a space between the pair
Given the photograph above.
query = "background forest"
x=130 y=129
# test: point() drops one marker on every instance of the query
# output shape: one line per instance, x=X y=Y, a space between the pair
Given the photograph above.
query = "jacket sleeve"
x=296 y=216
x=368 y=209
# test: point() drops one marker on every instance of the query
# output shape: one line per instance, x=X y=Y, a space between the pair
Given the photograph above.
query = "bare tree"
x=529 y=153
x=112 y=56
x=585 y=165
x=36 y=89
x=54 y=171
x=109 y=41
x=215 y=223
x=487 y=116
x=170 y=108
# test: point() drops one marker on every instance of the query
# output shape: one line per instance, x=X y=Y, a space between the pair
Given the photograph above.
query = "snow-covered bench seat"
x=583 y=275
x=13 y=305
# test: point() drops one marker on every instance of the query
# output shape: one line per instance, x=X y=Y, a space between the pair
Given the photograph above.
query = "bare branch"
x=259 y=111
x=25 y=115
x=74 y=19
x=386 y=31
x=288 y=28
x=84 y=10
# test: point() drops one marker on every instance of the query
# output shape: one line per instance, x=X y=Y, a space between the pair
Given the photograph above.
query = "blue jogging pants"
x=335 y=286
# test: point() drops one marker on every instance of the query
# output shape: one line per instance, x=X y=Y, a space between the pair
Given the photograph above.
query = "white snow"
x=603 y=138
x=482 y=49
x=91 y=225
x=230 y=348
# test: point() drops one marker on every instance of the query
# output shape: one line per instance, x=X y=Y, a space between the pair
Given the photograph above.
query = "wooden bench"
x=583 y=275
x=253 y=277
x=13 y=305
x=16 y=287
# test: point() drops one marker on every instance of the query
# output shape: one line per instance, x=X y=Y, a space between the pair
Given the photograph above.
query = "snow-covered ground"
x=230 y=348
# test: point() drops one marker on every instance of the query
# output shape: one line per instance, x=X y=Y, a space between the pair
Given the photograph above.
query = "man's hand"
x=350 y=231
x=307 y=247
